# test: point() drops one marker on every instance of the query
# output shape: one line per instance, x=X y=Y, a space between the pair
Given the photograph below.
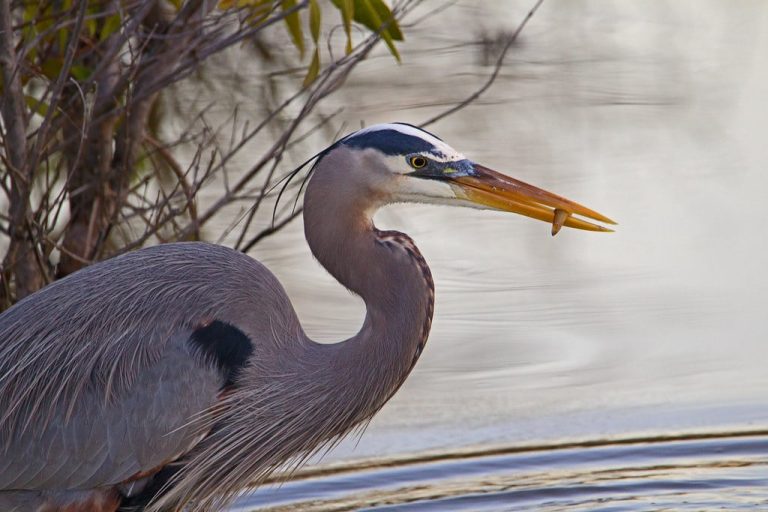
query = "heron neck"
x=387 y=271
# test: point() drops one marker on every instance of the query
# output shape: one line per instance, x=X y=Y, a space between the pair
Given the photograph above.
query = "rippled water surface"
x=726 y=472
x=654 y=113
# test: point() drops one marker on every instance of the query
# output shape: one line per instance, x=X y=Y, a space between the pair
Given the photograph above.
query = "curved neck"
x=384 y=268
x=322 y=391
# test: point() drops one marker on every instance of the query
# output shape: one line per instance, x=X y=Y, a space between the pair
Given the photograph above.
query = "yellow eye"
x=417 y=162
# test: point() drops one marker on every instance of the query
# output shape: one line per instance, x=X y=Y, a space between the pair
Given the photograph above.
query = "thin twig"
x=189 y=192
x=58 y=86
x=492 y=78
x=271 y=230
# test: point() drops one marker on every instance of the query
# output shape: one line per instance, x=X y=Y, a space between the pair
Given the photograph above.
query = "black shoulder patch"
x=226 y=345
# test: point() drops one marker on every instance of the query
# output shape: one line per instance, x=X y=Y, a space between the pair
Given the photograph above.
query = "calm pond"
x=623 y=371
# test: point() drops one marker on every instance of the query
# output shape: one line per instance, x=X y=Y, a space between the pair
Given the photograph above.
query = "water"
x=725 y=472
x=653 y=113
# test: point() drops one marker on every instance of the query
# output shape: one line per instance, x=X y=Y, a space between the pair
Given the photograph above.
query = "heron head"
x=420 y=167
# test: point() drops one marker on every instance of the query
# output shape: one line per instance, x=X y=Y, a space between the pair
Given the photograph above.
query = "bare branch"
x=87 y=170
x=271 y=230
x=21 y=258
x=58 y=85
x=492 y=78
x=181 y=177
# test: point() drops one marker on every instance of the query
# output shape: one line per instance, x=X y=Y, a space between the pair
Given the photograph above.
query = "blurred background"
x=653 y=113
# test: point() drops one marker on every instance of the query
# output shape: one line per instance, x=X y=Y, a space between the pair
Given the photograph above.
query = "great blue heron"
x=177 y=375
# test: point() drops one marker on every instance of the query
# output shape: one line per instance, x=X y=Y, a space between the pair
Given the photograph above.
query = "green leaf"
x=91 y=26
x=111 y=25
x=36 y=106
x=51 y=68
x=258 y=10
x=234 y=4
x=373 y=14
x=347 y=8
x=29 y=16
x=80 y=72
x=366 y=14
x=293 y=22
x=314 y=68
x=386 y=16
x=314 y=20
x=63 y=38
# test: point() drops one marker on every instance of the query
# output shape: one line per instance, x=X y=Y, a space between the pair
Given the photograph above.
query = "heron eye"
x=417 y=162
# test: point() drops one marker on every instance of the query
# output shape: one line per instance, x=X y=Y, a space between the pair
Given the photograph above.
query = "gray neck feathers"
x=384 y=268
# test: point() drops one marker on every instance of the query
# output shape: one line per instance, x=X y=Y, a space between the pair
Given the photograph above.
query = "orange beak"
x=500 y=192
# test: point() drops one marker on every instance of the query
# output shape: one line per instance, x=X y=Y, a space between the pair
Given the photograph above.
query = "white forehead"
x=443 y=152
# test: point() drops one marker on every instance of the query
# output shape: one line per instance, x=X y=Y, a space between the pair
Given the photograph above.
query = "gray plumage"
x=107 y=401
